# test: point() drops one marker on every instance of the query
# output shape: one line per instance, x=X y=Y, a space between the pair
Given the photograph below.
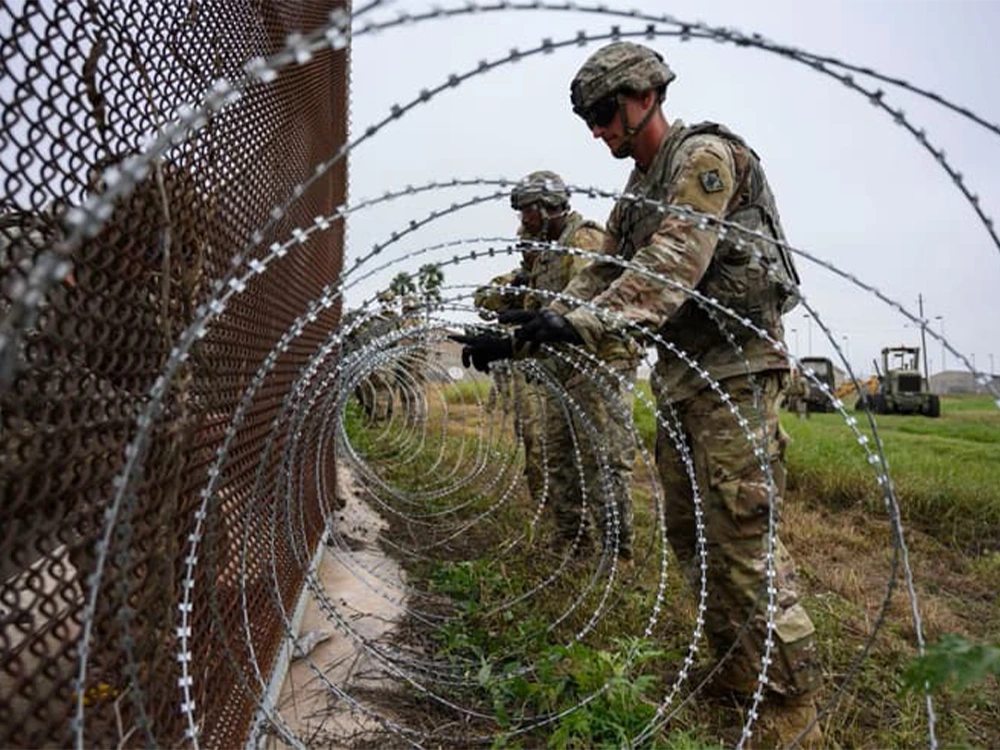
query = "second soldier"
x=558 y=426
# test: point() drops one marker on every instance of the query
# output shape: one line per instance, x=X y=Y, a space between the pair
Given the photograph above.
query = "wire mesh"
x=86 y=85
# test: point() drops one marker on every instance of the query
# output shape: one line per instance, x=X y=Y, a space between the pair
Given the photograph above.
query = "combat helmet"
x=543 y=187
x=617 y=67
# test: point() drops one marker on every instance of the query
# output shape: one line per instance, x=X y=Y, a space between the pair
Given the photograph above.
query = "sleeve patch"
x=711 y=182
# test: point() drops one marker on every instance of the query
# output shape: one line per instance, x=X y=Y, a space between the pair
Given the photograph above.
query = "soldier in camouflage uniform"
x=796 y=393
x=375 y=393
x=510 y=388
x=705 y=168
x=102 y=336
x=543 y=202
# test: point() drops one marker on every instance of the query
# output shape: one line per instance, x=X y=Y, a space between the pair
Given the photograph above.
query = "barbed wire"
x=87 y=219
x=484 y=480
x=297 y=328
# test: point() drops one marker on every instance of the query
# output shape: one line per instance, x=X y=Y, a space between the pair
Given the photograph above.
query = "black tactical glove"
x=520 y=279
x=481 y=350
x=541 y=327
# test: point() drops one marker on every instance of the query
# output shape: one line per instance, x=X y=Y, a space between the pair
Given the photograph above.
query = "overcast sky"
x=853 y=187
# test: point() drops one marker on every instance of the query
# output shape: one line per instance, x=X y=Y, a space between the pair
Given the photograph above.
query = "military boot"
x=721 y=682
x=581 y=548
x=783 y=719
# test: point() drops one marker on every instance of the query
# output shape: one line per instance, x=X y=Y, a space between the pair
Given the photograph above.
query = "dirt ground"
x=364 y=587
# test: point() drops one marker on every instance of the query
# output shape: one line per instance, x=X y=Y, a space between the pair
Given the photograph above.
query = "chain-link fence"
x=85 y=85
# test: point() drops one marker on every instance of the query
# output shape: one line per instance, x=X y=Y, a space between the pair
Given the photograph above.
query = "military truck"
x=815 y=399
x=901 y=388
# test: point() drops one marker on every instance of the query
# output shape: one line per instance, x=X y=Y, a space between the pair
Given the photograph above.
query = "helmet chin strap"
x=546 y=217
x=627 y=144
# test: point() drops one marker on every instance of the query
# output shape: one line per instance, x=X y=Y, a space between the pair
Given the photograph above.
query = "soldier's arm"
x=591 y=277
x=681 y=249
x=489 y=298
x=589 y=238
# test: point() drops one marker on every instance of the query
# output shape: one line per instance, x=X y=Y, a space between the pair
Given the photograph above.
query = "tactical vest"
x=552 y=271
x=757 y=279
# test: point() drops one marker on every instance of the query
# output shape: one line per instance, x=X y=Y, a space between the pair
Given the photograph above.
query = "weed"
x=542 y=687
x=953 y=661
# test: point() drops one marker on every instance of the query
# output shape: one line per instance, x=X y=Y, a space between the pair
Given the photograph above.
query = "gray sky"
x=853 y=188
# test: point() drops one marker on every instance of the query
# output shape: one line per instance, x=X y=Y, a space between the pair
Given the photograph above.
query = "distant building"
x=445 y=362
x=958 y=381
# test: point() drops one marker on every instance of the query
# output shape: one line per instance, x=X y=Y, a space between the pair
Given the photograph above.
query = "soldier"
x=798 y=389
x=509 y=386
x=100 y=340
x=375 y=392
x=619 y=93
x=542 y=200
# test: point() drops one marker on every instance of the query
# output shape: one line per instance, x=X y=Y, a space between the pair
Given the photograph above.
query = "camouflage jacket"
x=553 y=272
x=545 y=272
x=712 y=171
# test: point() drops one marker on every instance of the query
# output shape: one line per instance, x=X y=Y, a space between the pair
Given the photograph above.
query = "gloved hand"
x=480 y=351
x=520 y=279
x=541 y=327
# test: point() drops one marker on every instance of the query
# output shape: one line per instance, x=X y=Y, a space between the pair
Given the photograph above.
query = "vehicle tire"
x=933 y=405
x=879 y=404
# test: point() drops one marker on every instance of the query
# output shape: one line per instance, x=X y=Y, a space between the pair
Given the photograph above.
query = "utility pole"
x=944 y=362
x=923 y=339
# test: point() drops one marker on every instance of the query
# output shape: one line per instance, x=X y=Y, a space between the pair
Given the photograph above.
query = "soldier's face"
x=613 y=134
x=531 y=220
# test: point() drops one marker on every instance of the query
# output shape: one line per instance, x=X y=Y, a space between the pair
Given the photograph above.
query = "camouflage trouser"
x=607 y=450
x=501 y=391
x=529 y=406
x=734 y=494
x=375 y=396
x=802 y=408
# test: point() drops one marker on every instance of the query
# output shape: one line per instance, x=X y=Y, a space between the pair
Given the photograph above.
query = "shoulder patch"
x=710 y=181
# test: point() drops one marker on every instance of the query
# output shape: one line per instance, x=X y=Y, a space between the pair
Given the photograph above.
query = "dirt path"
x=363 y=585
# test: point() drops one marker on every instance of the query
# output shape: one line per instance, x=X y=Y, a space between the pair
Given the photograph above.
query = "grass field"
x=945 y=473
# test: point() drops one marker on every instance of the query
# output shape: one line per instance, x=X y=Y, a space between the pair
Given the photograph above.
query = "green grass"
x=467 y=390
x=945 y=471
x=642 y=415
x=953 y=404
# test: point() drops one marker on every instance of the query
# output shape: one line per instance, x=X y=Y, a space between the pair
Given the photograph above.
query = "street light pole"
x=795 y=332
x=847 y=351
x=809 y=323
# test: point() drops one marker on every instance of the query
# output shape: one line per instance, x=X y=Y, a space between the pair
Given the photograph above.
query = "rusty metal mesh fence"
x=85 y=84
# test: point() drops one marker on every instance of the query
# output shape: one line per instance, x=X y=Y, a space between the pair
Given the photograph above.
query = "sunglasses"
x=602 y=113
x=524 y=202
